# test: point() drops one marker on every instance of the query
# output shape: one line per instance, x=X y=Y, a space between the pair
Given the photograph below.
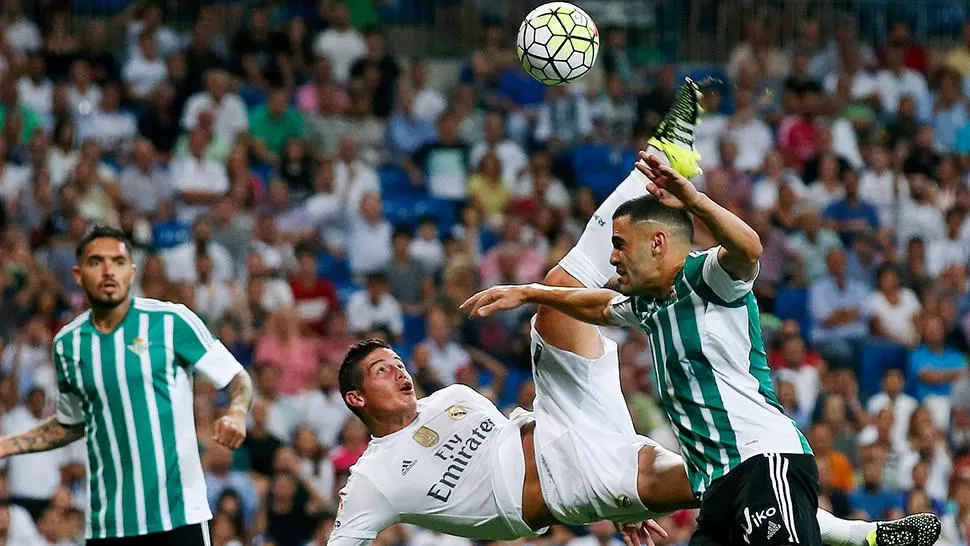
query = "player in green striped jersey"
x=748 y=465
x=124 y=374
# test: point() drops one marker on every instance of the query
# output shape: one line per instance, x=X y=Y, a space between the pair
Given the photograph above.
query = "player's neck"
x=106 y=319
x=389 y=424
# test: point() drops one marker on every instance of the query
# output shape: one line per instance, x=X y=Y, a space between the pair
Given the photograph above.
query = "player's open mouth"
x=407 y=387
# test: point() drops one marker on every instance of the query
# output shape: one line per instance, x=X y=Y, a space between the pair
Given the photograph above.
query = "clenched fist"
x=230 y=430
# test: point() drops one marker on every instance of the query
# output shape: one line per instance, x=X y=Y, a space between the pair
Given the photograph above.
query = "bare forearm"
x=589 y=305
x=240 y=392
x=47 y=436
x=737 y=238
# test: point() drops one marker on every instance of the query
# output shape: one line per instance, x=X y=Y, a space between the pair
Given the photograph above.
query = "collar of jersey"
x=388 y=437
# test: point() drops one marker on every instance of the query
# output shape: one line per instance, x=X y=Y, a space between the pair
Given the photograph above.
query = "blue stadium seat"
x=395 y=182
x=345 y=290
x=602 y=182
x=252 y=97
x=335 y=270
x=406 y=211
x=414 y=329
x=592 y=157
x=399 y=211
x=792 y=304
x=264 y=171
x=876 y=358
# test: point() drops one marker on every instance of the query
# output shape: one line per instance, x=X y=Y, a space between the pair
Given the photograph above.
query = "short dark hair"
x=100 y=231
x=648 y=208
x=351 y=377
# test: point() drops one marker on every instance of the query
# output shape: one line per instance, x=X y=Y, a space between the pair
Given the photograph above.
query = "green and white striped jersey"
x=132 y=389
x=711 y=370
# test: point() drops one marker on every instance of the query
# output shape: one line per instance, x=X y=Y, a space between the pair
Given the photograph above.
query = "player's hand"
x=498 y=298
x=666 y=184
x=638 y=534
x=230 y=430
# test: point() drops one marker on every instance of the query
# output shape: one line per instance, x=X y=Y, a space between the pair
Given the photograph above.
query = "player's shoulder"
x=151 y=305
x=72 y=326
x=449 y=395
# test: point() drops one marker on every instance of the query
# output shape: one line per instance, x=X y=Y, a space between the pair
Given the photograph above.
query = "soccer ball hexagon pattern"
x=557 y=43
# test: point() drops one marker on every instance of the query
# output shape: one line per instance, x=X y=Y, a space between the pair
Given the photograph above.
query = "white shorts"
x=589 y=261
x=587 y=451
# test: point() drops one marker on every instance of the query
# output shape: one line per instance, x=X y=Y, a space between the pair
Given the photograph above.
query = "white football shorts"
x=587 y=450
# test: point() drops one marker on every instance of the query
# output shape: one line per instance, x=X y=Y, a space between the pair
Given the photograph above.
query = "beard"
x=106 y=303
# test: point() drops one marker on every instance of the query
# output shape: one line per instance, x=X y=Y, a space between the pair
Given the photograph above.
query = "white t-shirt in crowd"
x=896 y=319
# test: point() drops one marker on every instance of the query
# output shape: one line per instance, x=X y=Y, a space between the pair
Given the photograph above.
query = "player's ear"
x=354 y=399
x=658 y=241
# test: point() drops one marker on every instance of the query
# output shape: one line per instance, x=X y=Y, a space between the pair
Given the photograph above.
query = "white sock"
x=841 y=532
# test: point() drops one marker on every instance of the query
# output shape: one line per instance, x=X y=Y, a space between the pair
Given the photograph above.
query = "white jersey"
x=457 y=469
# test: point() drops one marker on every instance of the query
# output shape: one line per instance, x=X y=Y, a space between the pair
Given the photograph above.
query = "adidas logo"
x=772 y=529
x=406 y=466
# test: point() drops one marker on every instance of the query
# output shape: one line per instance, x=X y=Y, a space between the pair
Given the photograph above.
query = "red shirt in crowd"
x=314 y=301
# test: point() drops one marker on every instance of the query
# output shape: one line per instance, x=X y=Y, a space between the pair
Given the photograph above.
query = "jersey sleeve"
x=197 y=349
x=69 y=409
x=622 y=311
x=362 y=514
x=713 y=283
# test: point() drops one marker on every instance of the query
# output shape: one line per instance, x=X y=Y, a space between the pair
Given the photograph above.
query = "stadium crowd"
x=301 y=187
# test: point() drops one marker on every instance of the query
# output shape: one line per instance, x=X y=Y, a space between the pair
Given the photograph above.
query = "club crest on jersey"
x=457 y=412
x=139 y=346
x=426 y=437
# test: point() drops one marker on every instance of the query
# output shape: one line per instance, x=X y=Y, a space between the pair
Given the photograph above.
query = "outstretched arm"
x=47 y=436
x=740 y=245
x=585 y=304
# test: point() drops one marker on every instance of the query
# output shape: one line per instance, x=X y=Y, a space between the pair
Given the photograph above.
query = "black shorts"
x=189 y=535
x=768 y=500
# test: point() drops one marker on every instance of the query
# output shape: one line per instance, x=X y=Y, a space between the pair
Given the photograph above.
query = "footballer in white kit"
x=452 y=463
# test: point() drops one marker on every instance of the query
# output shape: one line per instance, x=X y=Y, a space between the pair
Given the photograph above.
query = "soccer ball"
x=557 y=43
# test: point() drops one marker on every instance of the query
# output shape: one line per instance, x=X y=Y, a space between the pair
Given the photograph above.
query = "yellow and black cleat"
x=675 y=133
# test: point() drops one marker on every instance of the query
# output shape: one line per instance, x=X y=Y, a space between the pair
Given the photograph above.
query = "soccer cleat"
x=675 y=133
x=916 y=530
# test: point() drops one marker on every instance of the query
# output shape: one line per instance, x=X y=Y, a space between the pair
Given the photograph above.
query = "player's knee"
x=661 y=481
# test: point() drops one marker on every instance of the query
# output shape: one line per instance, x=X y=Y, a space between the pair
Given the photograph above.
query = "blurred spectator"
x=263 y=54
x=563 y=118
x=199 y=181
x=83 y=94
x=369 y=225
x=837 y=306
x=429 y=103
x=180 y=260
x=112 y=128
x=272 y=124
x=230 y=111
x=935 y=368
x=328 y=122
x=613 y=113
x=150 y=18
x=893 y=309
x=871 y=500
x=380 y=71
x=812 y=244
x=145 y=70
x=355 y=438
x=315 y=296
x=285 y=346
x=442 y=165
x=323 y=407
x=958 y=58
x=341 y=43
x=602 y=533
x=411 y=282
x=35 y=89
x=368 y=130
x=220 y=477
x=407 y=133
x=840 y=468
x=894 y=398
x=159 y=123
x=851 y=216
x=510 y=154
x=144 y=183
x=375 y=308
x=897 y=80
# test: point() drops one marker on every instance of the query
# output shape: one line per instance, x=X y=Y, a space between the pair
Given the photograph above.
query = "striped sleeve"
x=712 y=283
x=197 y=349
x=69 y=409
x=622 y=311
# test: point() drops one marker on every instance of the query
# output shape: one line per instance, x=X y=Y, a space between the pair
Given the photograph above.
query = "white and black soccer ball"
x=558 y=43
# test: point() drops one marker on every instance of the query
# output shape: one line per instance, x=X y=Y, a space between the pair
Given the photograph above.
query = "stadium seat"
x=876 y=358
x=593 y=158
x=395 y=182
x=602 y=182
x=252 y=97
x=792 y=304
x=414 y=329
x=333 y=269
x=345 y=290
x=406 y=211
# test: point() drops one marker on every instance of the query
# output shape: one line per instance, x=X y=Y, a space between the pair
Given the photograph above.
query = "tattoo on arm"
x=46 y=436
x=240 y=391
